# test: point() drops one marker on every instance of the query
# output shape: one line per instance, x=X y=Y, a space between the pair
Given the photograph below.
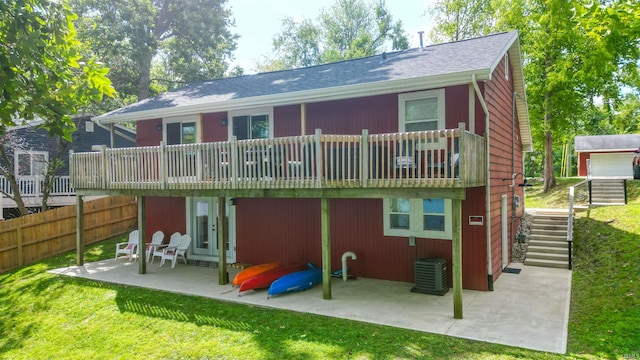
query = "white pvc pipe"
x=344 y=263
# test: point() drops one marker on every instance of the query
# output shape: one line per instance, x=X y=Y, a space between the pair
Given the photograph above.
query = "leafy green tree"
x=349 y=29
x=565 y=66
x=42 y=70
x=461 y=19
x=190 y=39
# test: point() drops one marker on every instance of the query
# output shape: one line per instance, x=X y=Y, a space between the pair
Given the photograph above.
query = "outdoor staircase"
x=547 y=244
x=607 y=192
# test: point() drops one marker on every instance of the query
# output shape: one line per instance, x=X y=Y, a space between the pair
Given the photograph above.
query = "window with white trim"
x=30 y=163
x=425 y=218
x=181 y=130
x=252 y=124
x=422 y=110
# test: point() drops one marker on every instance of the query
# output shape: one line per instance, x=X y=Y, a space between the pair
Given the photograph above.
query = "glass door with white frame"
x=203 y=224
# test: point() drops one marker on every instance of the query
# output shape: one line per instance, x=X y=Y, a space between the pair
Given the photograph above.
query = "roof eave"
x=307 y=96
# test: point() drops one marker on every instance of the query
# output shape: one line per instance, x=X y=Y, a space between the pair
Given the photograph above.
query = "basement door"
x=203 y=221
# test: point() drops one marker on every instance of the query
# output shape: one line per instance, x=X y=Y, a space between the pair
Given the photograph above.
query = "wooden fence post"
x=79 y=230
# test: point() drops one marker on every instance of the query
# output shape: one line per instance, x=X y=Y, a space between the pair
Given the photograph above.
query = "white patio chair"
x=174 y=241
x=128 y=248
x=156 y=240
x=172 y=253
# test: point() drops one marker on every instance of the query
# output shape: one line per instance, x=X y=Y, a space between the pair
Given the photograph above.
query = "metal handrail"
x=570 y=216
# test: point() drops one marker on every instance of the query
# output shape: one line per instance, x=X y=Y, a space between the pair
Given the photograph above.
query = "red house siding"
x=212 y=128
x=457 y=106
x=505 y=159
x=167 y=214
x=287 y=121
x=378 y=114
x=286 y=230
x=147 y=133
x=582 y=163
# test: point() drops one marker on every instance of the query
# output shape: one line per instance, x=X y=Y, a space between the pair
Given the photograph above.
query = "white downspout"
x=344 y=263
x=488 y=180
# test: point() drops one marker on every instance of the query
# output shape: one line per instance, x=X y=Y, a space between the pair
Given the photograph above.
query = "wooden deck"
x=288 y=166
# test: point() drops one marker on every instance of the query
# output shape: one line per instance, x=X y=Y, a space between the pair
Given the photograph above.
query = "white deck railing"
x=31 y=186
x=443 y=158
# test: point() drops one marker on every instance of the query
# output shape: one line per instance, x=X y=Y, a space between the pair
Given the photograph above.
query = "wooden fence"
x=29 y=239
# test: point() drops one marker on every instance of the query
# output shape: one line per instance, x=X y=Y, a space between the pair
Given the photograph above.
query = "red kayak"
x=265 y=279
x=252 y=271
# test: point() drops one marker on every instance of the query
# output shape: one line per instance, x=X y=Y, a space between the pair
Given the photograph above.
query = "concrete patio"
x=528 y=310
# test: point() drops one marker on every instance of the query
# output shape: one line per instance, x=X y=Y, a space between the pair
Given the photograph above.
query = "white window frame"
x=180 y=119
x=416 y=221
x=31 y=153
x=251 y=112
x=403 y=98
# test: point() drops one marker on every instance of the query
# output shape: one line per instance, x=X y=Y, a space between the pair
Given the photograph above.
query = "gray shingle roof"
x=467 y=56
x=627 y=142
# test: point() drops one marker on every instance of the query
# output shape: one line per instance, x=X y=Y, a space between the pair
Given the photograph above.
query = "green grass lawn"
x=45 y=316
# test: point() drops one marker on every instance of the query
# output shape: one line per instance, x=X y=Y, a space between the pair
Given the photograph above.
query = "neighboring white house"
x=606 y=156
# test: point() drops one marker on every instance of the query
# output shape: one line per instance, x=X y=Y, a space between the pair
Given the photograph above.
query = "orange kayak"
x=253 y=271
x=265 y=279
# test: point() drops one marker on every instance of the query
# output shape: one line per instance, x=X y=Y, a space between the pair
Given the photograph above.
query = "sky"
x=257 y=21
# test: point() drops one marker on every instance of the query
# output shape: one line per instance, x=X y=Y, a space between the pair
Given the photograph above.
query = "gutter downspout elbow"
x=344 y=263
x=488 y=182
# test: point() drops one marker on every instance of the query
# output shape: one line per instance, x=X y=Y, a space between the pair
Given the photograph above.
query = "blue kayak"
x=296 y=281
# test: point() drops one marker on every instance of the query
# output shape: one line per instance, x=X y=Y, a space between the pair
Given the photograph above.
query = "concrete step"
x=543 y=237
x=548 y=249
x=551 y=220
x=548 y=243
x=547 y=256
x=546 y=219
x=547 y=263
x=549 y=232
x=549 y=212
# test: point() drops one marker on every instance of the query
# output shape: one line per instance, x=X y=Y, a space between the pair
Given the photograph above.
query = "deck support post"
x=223 y=234
x=456 y=257
x=142 y=234
x=79 y=230
x=326 y=248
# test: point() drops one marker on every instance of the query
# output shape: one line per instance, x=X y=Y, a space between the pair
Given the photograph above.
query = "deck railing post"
x=364 y=158
x=162 y=154
x=104 y=168
x=234 y=160
x=318 y=140
x=462 y=156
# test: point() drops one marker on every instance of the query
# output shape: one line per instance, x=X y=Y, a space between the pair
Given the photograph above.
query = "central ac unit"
x=431 y=276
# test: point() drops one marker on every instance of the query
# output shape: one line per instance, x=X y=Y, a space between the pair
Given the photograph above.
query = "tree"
x=42 y=70
x=191 y=38
x=349 y=29
x=461 y=19
x=564 y=66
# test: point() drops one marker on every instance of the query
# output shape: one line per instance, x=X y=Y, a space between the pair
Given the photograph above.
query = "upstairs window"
x=421 y=111
x=252 y=124
x=181 y=130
